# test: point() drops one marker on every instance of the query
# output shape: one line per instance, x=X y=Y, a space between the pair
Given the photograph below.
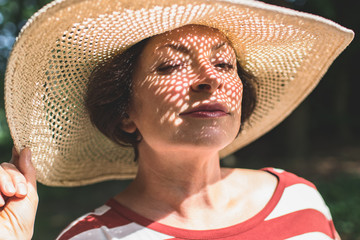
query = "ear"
x=128 y=125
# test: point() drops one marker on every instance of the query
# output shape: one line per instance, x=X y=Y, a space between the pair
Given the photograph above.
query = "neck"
x=181 y=181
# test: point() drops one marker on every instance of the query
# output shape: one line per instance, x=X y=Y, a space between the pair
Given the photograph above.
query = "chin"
x=211 y=138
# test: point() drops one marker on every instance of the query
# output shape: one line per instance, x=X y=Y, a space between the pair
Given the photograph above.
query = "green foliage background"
x=320 y=140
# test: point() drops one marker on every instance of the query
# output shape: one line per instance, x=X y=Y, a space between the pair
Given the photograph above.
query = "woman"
x=178 y=98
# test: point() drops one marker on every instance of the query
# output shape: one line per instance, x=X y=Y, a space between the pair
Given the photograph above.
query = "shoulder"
x=89 y=224
x=298 y=208
x=288 y=178
x=107 y=222
x=271 y=182
x=297 y=195
x=285 y=191
x=290 y=200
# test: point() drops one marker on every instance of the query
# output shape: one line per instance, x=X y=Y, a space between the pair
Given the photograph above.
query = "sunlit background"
x=319 y=141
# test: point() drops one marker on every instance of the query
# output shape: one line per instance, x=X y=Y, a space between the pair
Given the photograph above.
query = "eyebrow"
x=177 y=47
x=183 y=49
x=217 y=46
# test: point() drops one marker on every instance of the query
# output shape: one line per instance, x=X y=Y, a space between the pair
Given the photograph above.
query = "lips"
x=210 y=110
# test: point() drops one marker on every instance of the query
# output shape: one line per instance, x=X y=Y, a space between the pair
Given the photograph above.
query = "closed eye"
x=224 y=65
x=167 y=68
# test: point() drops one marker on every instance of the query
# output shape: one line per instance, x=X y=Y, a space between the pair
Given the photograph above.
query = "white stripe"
x=131 y=231
x=311 y=236
x=299 y=197
x=278 y=170
x=99 y=211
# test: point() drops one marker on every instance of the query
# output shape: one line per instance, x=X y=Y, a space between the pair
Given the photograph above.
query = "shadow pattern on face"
x=184 y=83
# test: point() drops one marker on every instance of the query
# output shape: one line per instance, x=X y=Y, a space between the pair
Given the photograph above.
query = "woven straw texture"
x=60 y=45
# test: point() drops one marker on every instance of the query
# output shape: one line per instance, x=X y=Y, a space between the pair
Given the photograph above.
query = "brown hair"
x=110 y=89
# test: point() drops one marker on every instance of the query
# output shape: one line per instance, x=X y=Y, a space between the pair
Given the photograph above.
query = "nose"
x=208 y=79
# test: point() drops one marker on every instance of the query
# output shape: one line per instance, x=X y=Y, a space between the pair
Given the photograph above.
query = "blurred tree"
x=13 y=15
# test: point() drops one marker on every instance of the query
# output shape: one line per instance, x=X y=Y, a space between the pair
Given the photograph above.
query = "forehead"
x=192 y=35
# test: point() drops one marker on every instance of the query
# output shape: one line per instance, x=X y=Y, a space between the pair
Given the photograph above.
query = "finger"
x=2 y=201
x=17 y=178
x=15 y=155
x=26 y=167
x=23 y=163
x=7 y=187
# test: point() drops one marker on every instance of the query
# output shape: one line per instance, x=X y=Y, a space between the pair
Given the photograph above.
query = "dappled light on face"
x=191 y=78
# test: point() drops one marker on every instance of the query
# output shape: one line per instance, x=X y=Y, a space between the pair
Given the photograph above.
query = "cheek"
x=163 y=97
x=234 y=91
x=170 y=89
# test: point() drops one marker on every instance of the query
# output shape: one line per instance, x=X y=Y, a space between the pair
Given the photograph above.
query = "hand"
x=18 y=197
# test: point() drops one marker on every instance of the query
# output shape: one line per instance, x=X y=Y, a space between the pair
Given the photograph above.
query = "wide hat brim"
x=48 y=70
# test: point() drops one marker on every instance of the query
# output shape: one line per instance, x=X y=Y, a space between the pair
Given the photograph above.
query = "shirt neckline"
x=206 y=234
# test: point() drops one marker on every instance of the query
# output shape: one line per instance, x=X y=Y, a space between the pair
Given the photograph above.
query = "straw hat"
x=47 y=73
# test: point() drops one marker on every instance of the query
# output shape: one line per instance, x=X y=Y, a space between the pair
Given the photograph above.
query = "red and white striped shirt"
x=296 y=211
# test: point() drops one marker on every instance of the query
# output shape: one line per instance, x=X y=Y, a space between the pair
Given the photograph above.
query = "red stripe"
x=290 y=225
x=201 y=234
x=290 y=178
x=109 y=219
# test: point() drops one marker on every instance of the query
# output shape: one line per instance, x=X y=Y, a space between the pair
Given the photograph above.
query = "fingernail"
x=22 y=189
x=10 y=188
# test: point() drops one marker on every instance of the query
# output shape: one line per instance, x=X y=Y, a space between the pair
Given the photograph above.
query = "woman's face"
x=186 y=91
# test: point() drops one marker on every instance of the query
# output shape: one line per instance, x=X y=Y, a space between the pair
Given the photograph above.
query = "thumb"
x=24 y=164
x=21 y=212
